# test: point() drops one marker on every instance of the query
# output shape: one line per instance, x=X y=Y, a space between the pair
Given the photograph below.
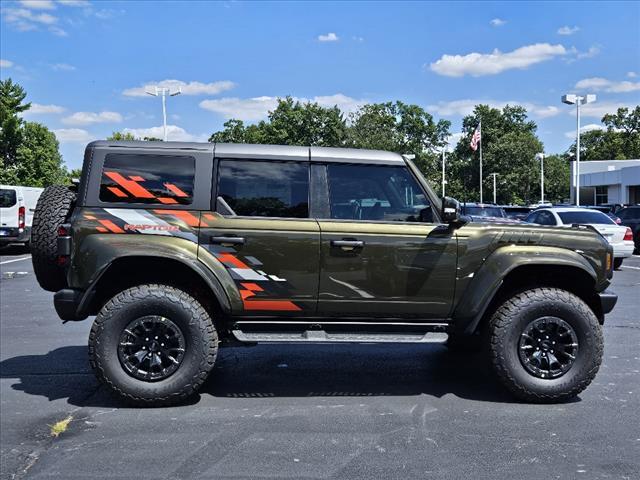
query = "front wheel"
x=617 y=263
x=545 y=345
x=153 y=345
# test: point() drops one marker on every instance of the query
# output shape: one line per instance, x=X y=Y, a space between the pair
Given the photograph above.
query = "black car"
x=630 y=217
x=516 y=212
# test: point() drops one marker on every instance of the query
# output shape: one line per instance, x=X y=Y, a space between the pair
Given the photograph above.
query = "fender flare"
x=488 y=279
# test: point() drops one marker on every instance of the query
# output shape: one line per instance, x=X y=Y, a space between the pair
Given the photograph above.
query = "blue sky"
x=85 y=64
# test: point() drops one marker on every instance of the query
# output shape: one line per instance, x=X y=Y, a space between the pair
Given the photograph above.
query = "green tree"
x=509 y=146
x=619 y=141
x=12 y=104
x=121 y=136
x=38 y=161
x=556 y=178
x=401 y=128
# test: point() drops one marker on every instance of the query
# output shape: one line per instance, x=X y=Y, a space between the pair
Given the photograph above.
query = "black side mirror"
x=450 y=210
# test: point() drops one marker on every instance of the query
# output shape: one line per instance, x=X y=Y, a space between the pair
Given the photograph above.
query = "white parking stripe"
x=628 y=266
x=15 y=260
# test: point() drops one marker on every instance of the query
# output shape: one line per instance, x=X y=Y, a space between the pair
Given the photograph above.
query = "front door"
x=380 y=255
x=262 y=233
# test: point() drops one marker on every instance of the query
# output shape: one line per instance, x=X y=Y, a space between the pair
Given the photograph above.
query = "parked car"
x=620 y=237
x=486 y=213
x=608 y=211
x=182 y=248
x=630 y=217
x=516 y=212
x=17 y=205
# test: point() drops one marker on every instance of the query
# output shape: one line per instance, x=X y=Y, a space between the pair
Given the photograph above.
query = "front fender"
x=480 y=286
x=95 y=253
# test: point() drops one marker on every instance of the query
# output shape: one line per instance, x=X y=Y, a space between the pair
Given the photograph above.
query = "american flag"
x=475 y=139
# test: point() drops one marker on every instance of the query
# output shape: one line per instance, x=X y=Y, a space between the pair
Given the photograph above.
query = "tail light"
x=21 y=212
x=64 y=244
x=628 y=235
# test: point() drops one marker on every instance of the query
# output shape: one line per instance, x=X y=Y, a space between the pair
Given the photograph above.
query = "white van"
x=17 y=205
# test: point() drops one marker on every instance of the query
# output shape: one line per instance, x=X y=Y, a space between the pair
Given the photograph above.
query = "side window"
x=265 y=188
x=369 y=192
x=532 y=218
x=546 y=218
x=140 y=178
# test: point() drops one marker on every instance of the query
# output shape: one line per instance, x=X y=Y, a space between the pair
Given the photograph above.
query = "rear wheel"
x=545 y=345
x=617 y=263
x=52 y=210
x=153 y=345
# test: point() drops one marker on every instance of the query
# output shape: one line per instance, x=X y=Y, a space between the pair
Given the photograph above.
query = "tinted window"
x=484 y=211
x=585 y=217
x=139 y=178
x=365 y=192
x=7 y=198
x=265 y=188
x=546 y=218
x=629 y=213
x=532 y=218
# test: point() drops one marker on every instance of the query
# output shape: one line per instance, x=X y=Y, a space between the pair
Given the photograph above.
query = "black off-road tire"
x=52 y=210
x=511 y=319
x=617 y=263
x=201 y=344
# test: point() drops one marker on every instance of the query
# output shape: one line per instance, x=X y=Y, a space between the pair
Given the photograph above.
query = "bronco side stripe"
x=130 y=186
x=185 y=216
x=111 y=226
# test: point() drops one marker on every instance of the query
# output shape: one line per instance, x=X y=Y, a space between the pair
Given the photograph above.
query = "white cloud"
x=466 y=106
x=257 y=108
x=58 y=31
x=88 y=118
x=478 y=64
x=358 y=39
x=190 y=88
x=62 y=67
x=592 y=52
x=38 y=4
x=498 y=22
x=174 y=134
x=567 y=30
x=632 y=74
x=37 y=108
x=599 y=83
x=452 y=141
x=583 y=129
x=73 y=135
x=5 y=63
x=74 y=3
x=25 y=19
x=598 y=109
x=329 y=37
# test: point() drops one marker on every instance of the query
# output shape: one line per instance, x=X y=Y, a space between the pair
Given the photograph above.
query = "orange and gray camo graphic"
x=259 y=290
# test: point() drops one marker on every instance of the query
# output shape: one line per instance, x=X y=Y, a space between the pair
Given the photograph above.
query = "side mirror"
x=450 y=210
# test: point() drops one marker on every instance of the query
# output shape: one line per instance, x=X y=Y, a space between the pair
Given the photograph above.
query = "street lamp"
x=540 y=157
x=494 y=175
x=163 y=91
x=578 y=100
x=444 y=182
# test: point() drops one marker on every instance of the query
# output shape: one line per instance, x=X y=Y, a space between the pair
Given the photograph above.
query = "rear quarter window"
x=153 y=179
x=8 y=198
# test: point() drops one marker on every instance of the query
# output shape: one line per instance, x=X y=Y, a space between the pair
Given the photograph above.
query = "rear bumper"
x=623 y=249
x=68 y=304
x=608 y=300
x=14 y=235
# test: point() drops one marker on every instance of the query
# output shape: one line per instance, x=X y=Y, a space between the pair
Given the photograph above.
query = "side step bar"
x=321 y=336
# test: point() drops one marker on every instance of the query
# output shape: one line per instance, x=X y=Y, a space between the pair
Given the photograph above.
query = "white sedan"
x=620 y=237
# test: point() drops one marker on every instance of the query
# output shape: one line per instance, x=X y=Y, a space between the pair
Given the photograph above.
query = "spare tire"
x=52 y=210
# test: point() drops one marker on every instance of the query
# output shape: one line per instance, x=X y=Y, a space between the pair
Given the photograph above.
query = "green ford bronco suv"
x=180 y=248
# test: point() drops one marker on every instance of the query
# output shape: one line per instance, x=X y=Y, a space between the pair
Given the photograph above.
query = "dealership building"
x=607 y=181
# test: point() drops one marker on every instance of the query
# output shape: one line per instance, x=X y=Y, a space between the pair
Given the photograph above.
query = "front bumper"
x=68 y=304
x=608 y=300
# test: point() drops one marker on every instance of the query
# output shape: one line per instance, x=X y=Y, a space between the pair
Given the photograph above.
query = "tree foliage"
x=29 y=150
x=619 y=141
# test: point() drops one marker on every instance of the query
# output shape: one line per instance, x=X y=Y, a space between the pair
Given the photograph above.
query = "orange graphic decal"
x=136 y=178
x=130 y=186
x=111 y=226
x=174 y=189
x=89 y=217
x=102 y=229
x=254 y=287
x=231 y=260
x=186 y=217
x=167 y=200
x=272 y=305
x=117 y=192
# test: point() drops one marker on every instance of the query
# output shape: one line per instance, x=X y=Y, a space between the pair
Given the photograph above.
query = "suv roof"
x=265 y=152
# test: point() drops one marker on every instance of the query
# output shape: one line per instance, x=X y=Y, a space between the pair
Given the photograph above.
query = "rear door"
x=9 y=204
x=382 y=252
x=261 y=231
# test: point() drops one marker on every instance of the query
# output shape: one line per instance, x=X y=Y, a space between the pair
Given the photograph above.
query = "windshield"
x=7 y=198
x=485 y=211
x=594 y=217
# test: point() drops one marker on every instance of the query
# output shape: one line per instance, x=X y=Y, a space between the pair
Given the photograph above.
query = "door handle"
x=228 y=240
x=347 y=243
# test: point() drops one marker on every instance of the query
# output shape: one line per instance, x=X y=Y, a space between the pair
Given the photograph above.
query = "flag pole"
x=480 y=128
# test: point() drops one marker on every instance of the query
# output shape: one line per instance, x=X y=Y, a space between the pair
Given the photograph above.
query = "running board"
x=321 y=336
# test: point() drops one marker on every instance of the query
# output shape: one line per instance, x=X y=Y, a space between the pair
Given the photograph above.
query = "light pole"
x=163 y=91
x=540 y=156
x=443 y=179
x=494 y=175
x=578 y=100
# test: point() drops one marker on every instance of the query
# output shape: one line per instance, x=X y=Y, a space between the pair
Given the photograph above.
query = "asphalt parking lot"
x=330 y=411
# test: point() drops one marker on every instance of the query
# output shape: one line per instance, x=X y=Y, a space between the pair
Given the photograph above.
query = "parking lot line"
x=628 y=266
x=15 y=260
